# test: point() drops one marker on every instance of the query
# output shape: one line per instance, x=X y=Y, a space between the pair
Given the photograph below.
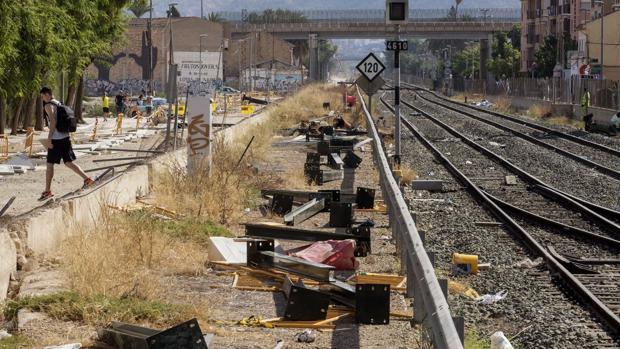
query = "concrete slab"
x=42 y=282
x=430 y=185
x=511 y=180
x=227 y=250
x=8 y=262
x=21 y=160
x=6 y=170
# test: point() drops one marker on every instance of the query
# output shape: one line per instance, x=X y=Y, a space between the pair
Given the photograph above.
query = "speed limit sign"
x=370 y=67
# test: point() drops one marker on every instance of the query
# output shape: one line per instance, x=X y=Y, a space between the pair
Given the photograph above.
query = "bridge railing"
x=378 y=15
x=318 y=26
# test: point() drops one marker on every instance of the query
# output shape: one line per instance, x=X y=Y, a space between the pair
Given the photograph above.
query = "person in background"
x=105 y=102
x=615 y=120
x=149 y=105
x=586 y=101
x=140 y=100
x=120 y=103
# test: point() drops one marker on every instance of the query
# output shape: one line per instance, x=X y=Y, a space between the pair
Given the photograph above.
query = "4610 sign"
x=397 y=45
x=371 y=67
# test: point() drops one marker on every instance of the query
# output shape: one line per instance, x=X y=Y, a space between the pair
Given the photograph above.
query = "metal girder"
x=126 y=336
x=281 y=204
x=304 y=211
x=320 y=177
x=361 y=235
x=301 y=267
x=6 y=206
x=302 y=303
x=334 y=160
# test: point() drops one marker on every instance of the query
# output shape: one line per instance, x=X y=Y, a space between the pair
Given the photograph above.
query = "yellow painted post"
x=119 y=124
x=93 y=137
x=138 y=118
x=4 y=147
x=29 y=140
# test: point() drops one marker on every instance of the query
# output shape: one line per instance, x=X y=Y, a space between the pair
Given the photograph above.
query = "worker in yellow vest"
x=586 y=101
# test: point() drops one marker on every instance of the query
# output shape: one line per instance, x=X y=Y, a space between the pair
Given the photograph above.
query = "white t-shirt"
x=57 y=134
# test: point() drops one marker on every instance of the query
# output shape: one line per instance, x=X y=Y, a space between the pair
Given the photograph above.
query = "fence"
x=604 y=93
x=430 y=306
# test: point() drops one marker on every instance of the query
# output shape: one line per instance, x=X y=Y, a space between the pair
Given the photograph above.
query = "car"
x=228 y=90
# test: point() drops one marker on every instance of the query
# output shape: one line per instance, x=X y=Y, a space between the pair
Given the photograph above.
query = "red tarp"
x=337 y=253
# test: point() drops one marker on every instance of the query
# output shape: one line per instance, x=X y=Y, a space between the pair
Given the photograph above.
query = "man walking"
x=58 y=145
x=105 y=101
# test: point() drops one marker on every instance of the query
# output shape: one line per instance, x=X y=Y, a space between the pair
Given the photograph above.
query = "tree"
x=546 y=57
x=506 y=57
x=277 y=16
x=173 y=12
x=139 y=7
x=215 y=17
x=466 y=63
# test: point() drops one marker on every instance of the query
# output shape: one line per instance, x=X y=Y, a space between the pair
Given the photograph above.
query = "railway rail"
x=579 y=244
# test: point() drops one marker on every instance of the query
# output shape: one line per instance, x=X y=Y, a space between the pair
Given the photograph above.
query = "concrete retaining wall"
x=601 y=115
x=45 y=228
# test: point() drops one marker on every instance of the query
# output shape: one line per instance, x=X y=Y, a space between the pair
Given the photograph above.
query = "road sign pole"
x=397 y=100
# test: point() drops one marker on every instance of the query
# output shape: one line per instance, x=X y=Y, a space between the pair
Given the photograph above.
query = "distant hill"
x=192 y=7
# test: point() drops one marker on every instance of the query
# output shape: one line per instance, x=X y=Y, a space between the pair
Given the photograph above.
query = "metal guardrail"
x=430 y=304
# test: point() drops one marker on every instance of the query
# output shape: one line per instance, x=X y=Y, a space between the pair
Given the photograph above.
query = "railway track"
x=578 y=240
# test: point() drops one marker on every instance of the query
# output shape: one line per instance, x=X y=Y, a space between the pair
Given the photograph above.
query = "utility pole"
x=171 y=83
x=397 y=100
x=202 y=9
x=150 y=39
x=602 y=38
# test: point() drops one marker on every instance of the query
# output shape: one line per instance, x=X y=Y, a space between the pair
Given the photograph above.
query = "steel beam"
x=128 y=336
x=300 y=267
x=302 y=303
x=304 y=212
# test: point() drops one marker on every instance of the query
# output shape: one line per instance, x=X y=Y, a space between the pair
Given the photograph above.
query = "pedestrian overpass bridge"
x=468 y=24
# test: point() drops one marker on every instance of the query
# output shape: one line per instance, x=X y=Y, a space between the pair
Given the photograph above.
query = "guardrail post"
x=459 y=323
x=410 y=279
x=443 y=283
x=419 y=311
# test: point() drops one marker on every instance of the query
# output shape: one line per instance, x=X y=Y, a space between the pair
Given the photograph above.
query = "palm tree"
x=215 y=17
x=138 y=7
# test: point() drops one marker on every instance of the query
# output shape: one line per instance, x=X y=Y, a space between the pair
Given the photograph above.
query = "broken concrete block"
x=6 y=170
x=8 y=262
x=511 y=180
x=430 y=185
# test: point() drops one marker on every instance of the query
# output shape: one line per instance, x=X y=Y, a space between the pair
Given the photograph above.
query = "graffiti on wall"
x=280 y=80
x=96 y=87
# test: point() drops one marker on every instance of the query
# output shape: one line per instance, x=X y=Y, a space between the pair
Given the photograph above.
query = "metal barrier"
x=430 y=304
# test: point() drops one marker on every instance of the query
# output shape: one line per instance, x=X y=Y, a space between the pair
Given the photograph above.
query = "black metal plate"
x=365 y=198
x=281 y=204
x=186 y=335
x=372 y=304
x=340 y=214
x=351 y=160
x=304 y=304
x=254 y=249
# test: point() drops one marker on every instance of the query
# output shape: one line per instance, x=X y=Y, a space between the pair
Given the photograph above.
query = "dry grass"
x=539 y=111
x=408 y=175
x=503 y=105
x=544 y=113
x=125 y=255
x=307 y=104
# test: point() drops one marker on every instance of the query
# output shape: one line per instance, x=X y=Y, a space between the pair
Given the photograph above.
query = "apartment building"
x=541 y=18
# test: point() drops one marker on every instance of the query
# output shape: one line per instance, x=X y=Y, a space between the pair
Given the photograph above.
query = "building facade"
x=590 y=42
x=559 y=18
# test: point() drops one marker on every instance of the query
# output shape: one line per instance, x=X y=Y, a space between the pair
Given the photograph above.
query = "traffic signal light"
x=396 y=11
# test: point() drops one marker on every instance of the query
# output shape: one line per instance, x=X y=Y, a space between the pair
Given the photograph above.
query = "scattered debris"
x=499 y=341
x=66 y=346
x=467 y=162
x=489 y=299
x=466 y=262
x=4 y=334
x=528 y=263
x=339 y=254
x=306 y=336
x=511 y=180
x=495 y=144
x=127 y=336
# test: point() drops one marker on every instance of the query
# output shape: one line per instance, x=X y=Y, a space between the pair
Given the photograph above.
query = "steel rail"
x=428 y=294
x=586 y=296
x=562 y=197
x=602 y=169
x=526 y=123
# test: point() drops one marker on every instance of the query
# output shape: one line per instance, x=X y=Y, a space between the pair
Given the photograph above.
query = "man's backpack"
x=65 y=118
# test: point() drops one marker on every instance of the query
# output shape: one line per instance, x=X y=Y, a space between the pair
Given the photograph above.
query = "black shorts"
x=62 y=150
x=106 y=109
